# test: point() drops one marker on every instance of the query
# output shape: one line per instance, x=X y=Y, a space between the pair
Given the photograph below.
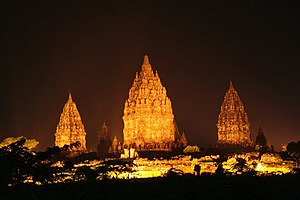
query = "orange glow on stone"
x=148 y=115
x=70 y=128
x=233 y=124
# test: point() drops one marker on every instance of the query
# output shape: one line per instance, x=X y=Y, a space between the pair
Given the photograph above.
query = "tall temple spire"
x=233 y=124
x=70 y=128
x=148 y=115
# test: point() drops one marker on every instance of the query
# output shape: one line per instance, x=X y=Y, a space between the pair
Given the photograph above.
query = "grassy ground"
x=185 y=187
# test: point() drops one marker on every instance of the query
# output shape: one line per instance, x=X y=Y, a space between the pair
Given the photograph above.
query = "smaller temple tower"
x=233 y=124
x=180 y=138
x=70 y=128
x=183 y=141
x=261 y=140
x=116 y=146
x=103 y=141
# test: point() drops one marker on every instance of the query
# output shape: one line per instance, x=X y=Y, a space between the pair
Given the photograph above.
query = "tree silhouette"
x=220 y=170
x=16 y=162
x=241 y=165
x=85 y=173
x=29 y=143
x=174 y=172
x=43 y=174
x=294 y=147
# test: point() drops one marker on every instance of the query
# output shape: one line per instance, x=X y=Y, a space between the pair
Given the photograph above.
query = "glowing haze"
x=93 y=49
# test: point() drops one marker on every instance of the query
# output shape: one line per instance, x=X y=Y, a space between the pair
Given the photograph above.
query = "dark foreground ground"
x=186 y=187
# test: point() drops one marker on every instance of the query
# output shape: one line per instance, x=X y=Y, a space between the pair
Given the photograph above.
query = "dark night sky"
x=93 y=49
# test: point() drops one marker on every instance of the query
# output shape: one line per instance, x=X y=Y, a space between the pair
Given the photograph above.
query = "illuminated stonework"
x=70 y=128
x=233 y=124
x=180 y=138
x=116 y=146
x=183 y=141
x=148 y=115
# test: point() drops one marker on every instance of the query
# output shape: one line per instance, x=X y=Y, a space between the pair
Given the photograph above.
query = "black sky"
x=94 y=48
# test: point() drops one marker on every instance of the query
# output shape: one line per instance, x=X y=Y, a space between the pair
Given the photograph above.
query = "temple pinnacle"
x=146 y=67
x=146 y=60
x=70 y=96
x=230 y=84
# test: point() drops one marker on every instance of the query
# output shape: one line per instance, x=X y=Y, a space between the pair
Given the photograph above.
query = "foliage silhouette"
x=220 y=170
x=16 y=163
x=241 y=165
x=85 y=174
x=294 y=147
x=174 y=173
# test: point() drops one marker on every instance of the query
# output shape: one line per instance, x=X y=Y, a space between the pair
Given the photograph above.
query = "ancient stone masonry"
x=233 y=124
x=261 y=140
x=116 y=146
x=148 y=115
x=183 y=141
x=70 y=128
x=103 y=140
x=180 y=138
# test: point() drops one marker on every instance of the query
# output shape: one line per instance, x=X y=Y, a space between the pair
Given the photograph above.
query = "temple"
x=148 y=115
x=116 y=146
x=183 y=141
x=70 y=128
x=180 y=138
x=233 y=124
x=103 y=141
x=261 y=140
